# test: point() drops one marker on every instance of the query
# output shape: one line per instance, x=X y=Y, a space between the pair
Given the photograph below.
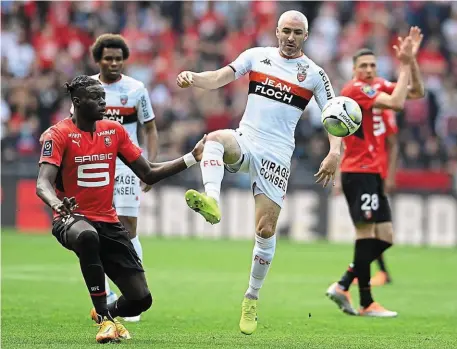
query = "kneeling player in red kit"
x=76 y=179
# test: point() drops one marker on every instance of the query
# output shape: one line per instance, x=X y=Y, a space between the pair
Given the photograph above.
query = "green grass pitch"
x=198 y=286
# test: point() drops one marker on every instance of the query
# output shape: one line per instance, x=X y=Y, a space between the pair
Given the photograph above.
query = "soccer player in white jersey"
x=282 y=81
x=127 y=101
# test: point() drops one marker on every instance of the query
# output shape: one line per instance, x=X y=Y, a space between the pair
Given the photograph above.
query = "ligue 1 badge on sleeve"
x=47 y=148
x=302 y=72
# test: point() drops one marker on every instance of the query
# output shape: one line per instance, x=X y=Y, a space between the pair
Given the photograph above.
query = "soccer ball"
x=341 y=116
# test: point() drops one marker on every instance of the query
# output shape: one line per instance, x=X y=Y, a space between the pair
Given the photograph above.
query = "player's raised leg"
x=221 y=146
x=266 y=217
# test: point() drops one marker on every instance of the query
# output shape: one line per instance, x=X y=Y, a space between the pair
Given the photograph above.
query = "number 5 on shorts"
x=369 y=202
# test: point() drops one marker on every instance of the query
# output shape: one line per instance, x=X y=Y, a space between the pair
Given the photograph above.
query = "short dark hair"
x=109 y=41
x=81 y=81
x=362 y=52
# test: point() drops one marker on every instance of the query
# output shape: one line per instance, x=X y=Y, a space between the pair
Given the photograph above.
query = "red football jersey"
x=87 y=164
x=360 y=149
x=384 y=126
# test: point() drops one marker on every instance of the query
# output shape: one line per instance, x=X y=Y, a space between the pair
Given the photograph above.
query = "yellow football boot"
x=204 y=205
x=248 y=321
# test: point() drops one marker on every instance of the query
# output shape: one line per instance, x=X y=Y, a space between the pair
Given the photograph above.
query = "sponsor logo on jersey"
x=266 y=61
x=94 y=157
x=106 y=133
x=279 y=90
x=124 y=99
x=47 y=148
x=326 y=82
x=368 y=90
x=123 y=115
x=108 y=141
x=144 y=107
x=302 y=72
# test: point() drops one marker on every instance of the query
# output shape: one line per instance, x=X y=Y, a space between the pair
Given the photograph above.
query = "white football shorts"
x=268 y=170
x=127 y=192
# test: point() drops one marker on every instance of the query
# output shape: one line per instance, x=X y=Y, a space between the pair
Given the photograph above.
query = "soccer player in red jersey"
x=76 y=179
x=385 y=130
x=361 y=168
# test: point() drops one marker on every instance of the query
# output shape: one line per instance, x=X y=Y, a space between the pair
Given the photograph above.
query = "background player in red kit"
x=361 y=168
x=385 y=130
x=78 y=158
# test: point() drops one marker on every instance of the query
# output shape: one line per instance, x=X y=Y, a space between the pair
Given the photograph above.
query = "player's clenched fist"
x=185 y=79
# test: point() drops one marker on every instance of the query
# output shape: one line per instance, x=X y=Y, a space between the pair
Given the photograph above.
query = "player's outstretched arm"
x=151 y=173
x=396 y=100
x=208 y=80
x=45 y=190
x=416 y=88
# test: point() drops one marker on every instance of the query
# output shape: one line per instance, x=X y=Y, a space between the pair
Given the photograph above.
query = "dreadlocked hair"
x=81 y=81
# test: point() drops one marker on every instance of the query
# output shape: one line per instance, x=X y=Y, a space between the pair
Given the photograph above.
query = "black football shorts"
x=365 y=196
x=116 y=250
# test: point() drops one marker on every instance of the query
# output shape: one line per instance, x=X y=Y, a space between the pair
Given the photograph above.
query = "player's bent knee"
x=216 y=136
x=87 y=239
x=265 y=229
x=139 y=306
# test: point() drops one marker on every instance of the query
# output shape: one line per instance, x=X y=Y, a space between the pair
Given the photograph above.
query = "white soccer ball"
x=341 y=116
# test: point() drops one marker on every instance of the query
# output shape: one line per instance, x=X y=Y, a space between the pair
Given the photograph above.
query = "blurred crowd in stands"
x=44 y=44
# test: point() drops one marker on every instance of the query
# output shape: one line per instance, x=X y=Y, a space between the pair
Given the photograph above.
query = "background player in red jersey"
x=361 y=168
x=78 y=158
x=385 y=131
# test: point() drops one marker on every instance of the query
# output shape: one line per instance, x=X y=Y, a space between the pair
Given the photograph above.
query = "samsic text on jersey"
x=361 y=148
x=279 y=91
x=87 y=164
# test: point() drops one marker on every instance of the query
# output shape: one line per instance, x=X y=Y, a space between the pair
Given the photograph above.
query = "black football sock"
x=346 y=280
x=93 y=272
x=380 y=247
x=382 y=265
x=364 y=251
x=95 y=281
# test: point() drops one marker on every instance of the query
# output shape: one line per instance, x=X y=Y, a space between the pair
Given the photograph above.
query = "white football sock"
x=212 y=166
x=262 y=256
x=107 y=288
x=137 y=245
